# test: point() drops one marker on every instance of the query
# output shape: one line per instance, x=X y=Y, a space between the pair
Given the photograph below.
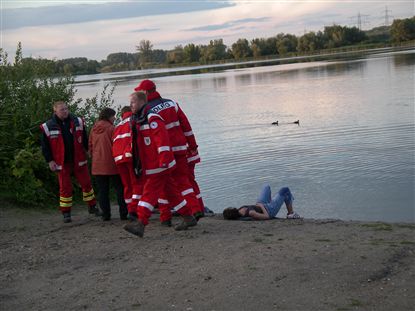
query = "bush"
x=27 y=92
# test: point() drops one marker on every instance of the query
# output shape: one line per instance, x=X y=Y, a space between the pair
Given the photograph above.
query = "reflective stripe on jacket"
x=180 y=132
x=53 y=132
x=154 y=147
x=122 y=140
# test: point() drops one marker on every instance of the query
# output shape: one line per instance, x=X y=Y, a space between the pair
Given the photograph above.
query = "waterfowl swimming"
x=275 y=123
x=297 y=122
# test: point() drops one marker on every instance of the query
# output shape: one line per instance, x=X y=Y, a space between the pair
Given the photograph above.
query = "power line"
x=387 y=16
x=360 y=19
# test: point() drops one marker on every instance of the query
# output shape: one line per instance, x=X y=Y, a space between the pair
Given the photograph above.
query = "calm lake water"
x=352 y=156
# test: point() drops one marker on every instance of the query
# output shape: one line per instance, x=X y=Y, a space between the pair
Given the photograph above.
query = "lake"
x=351 y=157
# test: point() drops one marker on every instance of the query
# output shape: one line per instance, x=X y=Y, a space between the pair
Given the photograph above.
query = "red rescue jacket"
x=53 y=132
x=122 y=140
x=193 y=158
x=153 y=143
x=180 y=132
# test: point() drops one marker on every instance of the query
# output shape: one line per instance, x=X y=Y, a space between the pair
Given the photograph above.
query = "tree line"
x=331 y=37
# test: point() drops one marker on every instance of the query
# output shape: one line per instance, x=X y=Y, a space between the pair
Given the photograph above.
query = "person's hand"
x=193 y=151
x=53 y=166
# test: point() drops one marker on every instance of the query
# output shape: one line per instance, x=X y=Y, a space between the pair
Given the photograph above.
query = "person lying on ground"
x=266 y=207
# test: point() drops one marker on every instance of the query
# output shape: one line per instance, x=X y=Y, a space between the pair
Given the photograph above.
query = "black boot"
x=198 y=215
x=94 y=210
x=67 y=217
x=106 y=217
x=132 y=216
x=166 y=223
x=187 y=221
x=135 y=227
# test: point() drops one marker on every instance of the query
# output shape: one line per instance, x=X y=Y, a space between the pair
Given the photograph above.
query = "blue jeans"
x=273 y=205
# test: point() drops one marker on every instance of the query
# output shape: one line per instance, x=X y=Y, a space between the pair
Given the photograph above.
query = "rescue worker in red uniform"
x=156 y=164
x=183 y=143
x=192 y=160
x=123 y=156
x=64 y=145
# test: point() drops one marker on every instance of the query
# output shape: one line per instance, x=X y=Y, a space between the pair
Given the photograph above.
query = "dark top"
x=255 y=208
x=65 y=126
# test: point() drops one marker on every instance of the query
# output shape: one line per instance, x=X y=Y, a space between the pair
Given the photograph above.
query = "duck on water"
x=295 y=122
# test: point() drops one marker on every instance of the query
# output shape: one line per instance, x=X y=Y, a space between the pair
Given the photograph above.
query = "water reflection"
x=196 y=84
x=243 y=79
x=220 y=83
x=352 y=157
x=405 y=60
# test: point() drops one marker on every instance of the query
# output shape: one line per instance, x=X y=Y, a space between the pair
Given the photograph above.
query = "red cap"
x=145 y=85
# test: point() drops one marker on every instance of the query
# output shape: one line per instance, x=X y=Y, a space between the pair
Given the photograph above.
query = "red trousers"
x=65 y=185
x=160 y=186
x=195 y=185
x=132 y=186
x=182 y=177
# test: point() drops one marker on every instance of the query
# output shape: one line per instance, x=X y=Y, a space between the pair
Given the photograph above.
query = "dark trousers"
x=103 y=183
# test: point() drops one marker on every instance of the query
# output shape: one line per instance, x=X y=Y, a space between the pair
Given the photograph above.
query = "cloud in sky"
x=96 y=31
x=145 y=30
x=228 y=24
x=89 y=12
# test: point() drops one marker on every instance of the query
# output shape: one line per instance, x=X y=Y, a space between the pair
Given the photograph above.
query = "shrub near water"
x=27 y=92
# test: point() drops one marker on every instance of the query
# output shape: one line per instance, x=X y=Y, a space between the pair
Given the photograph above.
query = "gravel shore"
x=218 y=265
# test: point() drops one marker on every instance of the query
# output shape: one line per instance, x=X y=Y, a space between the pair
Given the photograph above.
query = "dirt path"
x=218 y=265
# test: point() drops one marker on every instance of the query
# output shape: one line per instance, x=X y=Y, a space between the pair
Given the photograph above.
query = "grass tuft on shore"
x=379 y=226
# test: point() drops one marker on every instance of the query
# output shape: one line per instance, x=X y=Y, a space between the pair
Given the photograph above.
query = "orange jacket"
x=100 y=148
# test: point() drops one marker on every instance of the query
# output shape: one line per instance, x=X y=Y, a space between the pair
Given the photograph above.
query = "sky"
x=94 y=29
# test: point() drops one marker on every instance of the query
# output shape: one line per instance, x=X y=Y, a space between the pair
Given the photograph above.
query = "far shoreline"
x=154 y=72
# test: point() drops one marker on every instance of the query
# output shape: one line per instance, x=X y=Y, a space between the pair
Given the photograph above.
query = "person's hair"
x=231 y=213
x=125 y=109
x=58 y=102
x=140 y=96
x=106 y=114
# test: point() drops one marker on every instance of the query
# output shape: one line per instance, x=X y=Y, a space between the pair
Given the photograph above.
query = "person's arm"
x=187 y=130
x=260 y=216
x=85 y=139
x=47 y=153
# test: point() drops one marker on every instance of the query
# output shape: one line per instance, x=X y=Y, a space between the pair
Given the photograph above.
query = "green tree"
x=310 y=42
x=378 y=34
x=159 y=56
x=175 y=56
x=191 y=53
x=145 y=49
x=353 y=35
x=77 y=65
x=259 y=47
x=334 y=36
x=215 y=50
x=286 y=43
x=241 y=49
x=27 y=91
x=403 y=29
x=120 y=61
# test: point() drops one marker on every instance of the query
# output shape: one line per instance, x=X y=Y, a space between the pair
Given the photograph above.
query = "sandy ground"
x=217 y=265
